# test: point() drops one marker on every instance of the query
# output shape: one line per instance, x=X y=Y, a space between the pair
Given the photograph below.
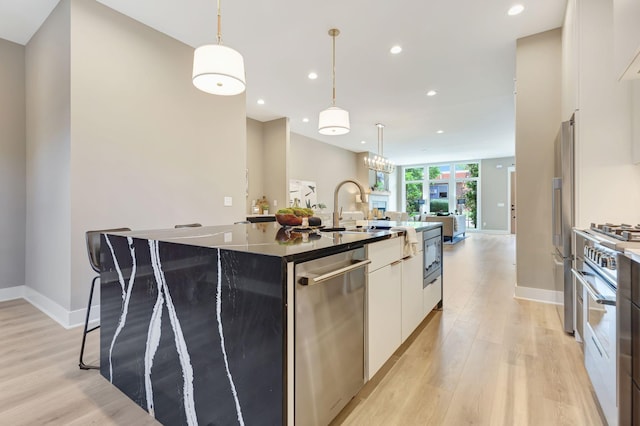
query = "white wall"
x=276 y=146
x=327 y=165
x=48 y=218
x=538 y=75
x=148 y=150
x=607 y=181
x=12 y=165
x=117 y=136
x=255 y=161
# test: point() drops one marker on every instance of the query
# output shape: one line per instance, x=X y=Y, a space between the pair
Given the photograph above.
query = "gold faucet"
x=336 y=215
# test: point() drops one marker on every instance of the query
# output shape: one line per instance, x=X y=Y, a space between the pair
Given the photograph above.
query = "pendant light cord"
x=380 y=150
x=333 y=36
x=334 y=32
x=219 y=37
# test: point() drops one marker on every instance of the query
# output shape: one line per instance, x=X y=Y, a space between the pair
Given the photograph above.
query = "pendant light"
x=334 y=120
x=380 y=163
x=218 y=69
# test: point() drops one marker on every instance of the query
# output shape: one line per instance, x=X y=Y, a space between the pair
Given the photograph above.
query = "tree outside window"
x=414 y=178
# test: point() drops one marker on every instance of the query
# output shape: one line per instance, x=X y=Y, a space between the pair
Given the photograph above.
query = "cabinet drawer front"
x=432 y=294
x=384 y=253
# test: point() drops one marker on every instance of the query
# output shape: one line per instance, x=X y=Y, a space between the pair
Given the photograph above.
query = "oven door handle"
x=603 y=300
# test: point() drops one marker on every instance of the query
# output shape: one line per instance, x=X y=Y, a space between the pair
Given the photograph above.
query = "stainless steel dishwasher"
x=329 y=335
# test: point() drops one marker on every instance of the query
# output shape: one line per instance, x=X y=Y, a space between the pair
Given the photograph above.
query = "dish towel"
x=410 y=240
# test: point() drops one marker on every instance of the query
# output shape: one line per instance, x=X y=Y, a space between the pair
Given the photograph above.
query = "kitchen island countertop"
x=271 y=239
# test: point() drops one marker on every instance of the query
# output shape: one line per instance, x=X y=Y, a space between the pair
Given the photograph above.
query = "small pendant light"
x=218 y=69
x=334 y=120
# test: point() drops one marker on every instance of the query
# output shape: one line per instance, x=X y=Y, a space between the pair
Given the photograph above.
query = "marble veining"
x=125 y=296
x=222 y=346
x=181 y=346
x=199 y=338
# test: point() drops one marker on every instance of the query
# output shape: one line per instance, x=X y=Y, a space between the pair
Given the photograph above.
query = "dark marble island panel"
x=194 y=335
x=194 y=320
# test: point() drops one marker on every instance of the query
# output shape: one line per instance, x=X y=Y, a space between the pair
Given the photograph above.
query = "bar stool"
x=93 y=250
x=188 y=225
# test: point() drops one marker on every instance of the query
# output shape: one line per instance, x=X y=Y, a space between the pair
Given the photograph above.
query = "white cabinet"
x=412 y=303
x=384 y=302
x=431 y=295
x=626 y=37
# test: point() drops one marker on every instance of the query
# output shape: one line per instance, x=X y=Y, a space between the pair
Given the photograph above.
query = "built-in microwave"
x=432 y=252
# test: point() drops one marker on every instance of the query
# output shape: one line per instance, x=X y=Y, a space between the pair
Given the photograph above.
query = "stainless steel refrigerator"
x=562 y=207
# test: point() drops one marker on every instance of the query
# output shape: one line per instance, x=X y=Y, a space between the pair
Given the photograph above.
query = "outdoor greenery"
x=439 y=205
x=471 y=195
x=415 y=190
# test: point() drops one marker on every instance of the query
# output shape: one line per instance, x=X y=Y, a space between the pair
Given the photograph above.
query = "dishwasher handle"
x=599 y=298
x=311 y=280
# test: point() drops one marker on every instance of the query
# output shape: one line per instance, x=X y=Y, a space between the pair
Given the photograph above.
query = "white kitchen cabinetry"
x=384 y=302
x=412 y=303
x=626 y=37
x=431 y=295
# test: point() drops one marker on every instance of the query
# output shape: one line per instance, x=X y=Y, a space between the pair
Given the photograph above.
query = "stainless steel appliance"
x=599 y=250
x=432 y=252
x=329 y=335
x=562 y=220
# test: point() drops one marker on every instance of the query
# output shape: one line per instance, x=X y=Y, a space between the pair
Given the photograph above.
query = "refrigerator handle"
x=556 y=210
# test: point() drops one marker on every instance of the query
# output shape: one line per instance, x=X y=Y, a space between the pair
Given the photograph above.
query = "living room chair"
x=93 y=250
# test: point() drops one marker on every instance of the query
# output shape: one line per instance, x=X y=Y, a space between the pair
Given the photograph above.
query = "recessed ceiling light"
x=515 y=10
x=395 y=50
x=440 y=131
x=305 y=120
x=260 y=101
x=432 y=93
x=312 y=76
x=363 y=142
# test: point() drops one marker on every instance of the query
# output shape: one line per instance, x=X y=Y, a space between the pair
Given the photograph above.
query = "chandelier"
x=380 y=163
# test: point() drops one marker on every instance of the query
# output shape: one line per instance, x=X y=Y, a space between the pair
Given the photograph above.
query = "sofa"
x=452 y=225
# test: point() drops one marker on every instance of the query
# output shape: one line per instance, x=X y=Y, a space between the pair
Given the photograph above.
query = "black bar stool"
x=188 y=225
x=93 y=250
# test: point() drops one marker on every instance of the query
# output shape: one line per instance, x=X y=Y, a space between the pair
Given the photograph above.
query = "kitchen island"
x=194 y=321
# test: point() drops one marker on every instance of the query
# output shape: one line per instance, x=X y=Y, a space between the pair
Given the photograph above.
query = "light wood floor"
x=486 y=359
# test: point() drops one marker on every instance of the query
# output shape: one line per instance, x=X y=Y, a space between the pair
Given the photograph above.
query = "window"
x=414 y=181
x=452 y=187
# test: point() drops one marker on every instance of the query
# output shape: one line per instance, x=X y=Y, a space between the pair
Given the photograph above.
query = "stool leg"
x=81 y=363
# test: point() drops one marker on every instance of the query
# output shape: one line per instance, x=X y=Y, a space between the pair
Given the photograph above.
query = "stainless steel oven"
x=432 y=252
x=595 y=278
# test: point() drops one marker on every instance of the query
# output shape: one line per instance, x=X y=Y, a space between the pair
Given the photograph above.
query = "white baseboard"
x=67 y=319
x=12 y=293
x=539 y=295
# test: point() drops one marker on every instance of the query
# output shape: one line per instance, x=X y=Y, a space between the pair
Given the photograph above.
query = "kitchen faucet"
x=336 y=215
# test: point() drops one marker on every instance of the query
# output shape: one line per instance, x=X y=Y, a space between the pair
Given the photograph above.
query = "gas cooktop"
x=622 y=232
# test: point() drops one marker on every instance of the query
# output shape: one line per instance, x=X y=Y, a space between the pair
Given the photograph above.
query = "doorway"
x=512 y=199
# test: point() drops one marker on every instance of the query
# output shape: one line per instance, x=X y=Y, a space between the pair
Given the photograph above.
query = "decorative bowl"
x=288 y=219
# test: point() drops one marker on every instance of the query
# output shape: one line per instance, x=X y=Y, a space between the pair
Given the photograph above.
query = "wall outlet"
x=275 y=203
x=228 y=237
x=500 y=204
x=228 y=201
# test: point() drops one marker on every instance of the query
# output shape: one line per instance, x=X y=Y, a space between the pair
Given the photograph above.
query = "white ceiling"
x=464 y=49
